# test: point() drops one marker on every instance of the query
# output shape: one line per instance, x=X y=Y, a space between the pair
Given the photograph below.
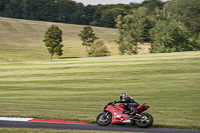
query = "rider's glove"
x=114 y=102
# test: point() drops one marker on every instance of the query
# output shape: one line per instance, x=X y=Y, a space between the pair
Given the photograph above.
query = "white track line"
x=14 y=119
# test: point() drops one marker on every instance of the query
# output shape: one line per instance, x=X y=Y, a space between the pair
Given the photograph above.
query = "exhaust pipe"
x=126 y=121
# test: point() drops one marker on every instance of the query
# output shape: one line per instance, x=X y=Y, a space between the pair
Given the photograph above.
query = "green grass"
x=21 y=40
x=24 y=130
x=79 y=88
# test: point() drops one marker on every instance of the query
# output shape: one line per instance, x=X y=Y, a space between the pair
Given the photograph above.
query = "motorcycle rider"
x=130 y=105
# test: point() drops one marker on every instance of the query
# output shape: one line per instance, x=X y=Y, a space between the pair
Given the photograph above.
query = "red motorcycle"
x=115 y=115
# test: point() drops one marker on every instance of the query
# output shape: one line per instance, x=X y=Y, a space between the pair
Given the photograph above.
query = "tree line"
x=171 y=26
x=68 y=11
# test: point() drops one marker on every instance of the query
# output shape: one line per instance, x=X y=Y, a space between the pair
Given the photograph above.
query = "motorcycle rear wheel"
x=103 y=121
x=146 y=122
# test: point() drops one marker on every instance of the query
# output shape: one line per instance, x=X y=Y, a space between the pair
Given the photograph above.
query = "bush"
x=98 y=49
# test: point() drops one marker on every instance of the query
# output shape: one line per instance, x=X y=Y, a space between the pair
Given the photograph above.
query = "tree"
x=48 y=10
x=87 y=36
x=197 y=47
x=53 y=39
x=98 y=13
x=98 y=49
x=65 y=9
x=12 y=8
x=176 y=27
x=152 y=4
x=105 y=15
x=170 y=36
x=43 y=10
x=77 y=17
x=88 y=14
x=2 y=5
x=134 y=5
x=130 y=28
x=108 y=18
x=196 y=43
x=187 y=12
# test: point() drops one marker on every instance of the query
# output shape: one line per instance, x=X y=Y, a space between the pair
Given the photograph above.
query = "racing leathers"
x=130 y=105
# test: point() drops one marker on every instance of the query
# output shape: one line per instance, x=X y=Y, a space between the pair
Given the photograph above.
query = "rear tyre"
x=147 y=121
x=101 y=121
x=132 y=123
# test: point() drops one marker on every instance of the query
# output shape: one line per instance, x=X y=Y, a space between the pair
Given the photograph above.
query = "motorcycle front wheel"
x=102 y=120
x=145 y=122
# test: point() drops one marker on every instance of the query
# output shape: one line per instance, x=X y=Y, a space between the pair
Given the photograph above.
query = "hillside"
x=21 y=40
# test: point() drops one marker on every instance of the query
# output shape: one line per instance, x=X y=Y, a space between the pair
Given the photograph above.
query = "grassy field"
x=21 y=40
x=74 y=88
x=79 y=88
x=23 y=130
x=18 y=130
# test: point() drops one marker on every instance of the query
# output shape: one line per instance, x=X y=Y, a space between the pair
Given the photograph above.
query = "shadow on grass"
x=67 y=57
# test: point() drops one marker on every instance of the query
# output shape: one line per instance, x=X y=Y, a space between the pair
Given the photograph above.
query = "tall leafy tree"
x=12 y=8
x=88 y=36
x=48 y=10
x=134 y=5
x=65 y=9
x=77 y=17
x=170 y=36
x=187 y=12
x=197 y=43
x=53 y=39
x=88 y=13
x=39 y=10
x=97 y=15
x=105 y=15
x=130 y=28
x=176 y=27
x=108 y=18
x=2 y=4
x=152 y=4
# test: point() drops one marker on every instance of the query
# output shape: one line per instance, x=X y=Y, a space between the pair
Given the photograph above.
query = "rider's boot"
x=133 y=114
x=136 y=116
x=126 y=112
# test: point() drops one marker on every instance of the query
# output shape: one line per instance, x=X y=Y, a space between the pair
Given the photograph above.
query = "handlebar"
x=111 y=103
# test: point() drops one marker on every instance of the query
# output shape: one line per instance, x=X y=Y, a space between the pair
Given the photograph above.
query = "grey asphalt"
x=62 y=126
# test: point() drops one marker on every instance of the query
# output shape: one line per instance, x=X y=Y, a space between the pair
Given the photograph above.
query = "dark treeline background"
x=69 y=11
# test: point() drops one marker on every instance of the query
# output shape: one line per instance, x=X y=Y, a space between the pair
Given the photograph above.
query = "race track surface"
x=62 y=126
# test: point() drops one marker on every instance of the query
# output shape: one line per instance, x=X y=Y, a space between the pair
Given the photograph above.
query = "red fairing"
x=117 y=113
x=142 y=108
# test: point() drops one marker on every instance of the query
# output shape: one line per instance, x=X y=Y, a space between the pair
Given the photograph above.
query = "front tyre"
x=104 y=120
x=145 y=122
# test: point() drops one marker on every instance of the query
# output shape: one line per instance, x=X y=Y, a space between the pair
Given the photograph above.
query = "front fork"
x=105 y=115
